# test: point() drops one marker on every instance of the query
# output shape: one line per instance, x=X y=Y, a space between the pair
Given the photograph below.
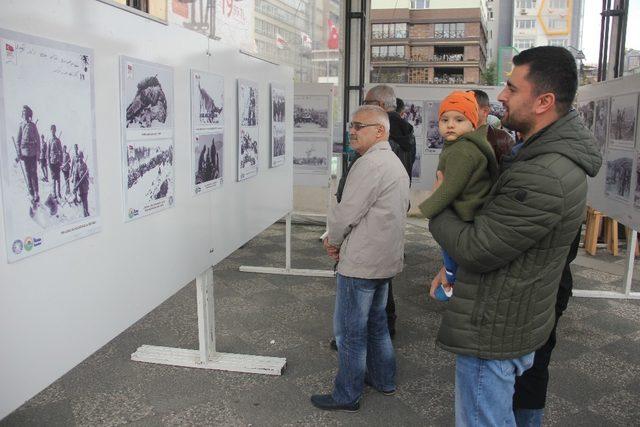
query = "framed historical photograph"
x=414 y=114
x=48 y=159
x=586 y=111
x=278 y=134
x=624 y=113
x=619 y=166
x=601 y=123
x=207 y=100
x=207 y=164
x=433 y=141
x=247 y=129
x=312 y=154
x=311 y=113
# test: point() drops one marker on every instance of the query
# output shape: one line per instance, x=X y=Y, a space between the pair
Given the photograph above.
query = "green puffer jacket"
x=511 y=257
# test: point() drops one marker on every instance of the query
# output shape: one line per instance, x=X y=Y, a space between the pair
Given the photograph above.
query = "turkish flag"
x=333 y=41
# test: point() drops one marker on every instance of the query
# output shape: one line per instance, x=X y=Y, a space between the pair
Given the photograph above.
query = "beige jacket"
x=368 y=224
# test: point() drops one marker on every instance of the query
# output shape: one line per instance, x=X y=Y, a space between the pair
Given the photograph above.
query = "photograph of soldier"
x=248 y=102
x=434 y=142
x=248 y=153
x=618 y=178
x=208 y=148
x=624 y=109
x=277 y=104
x=55 y=161
x=637 y=195
x=278 y=141
x=586 y=111
x=44 y=155
x=82 y=182
x=75 y=160
x=600 y=127
x=311 y=112
x=416 y=169
x=414 y=114
x=28 y=151
x=66 y=167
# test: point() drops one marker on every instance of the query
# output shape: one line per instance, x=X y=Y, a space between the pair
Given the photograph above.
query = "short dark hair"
x=399 y=105
x=481 y=97
x=551 y=69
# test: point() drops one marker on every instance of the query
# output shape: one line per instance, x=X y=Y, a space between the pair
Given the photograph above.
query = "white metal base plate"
x=605 y=294
x=287 y=271
x=219 y=361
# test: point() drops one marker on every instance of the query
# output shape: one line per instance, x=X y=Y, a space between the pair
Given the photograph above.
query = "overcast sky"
x=591 y=29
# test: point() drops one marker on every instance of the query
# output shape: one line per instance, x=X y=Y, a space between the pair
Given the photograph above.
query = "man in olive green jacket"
x=511 y=257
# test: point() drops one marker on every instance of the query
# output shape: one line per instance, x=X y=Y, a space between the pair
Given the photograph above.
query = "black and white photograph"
x=618 y=175
x=278 y=134
x=416 y=168
x=624 y=112
x=311 y=154
x=48 y=158
x=208 y=162
x=433 y=141
x=150 y=177
x=497 y=109
x=147 y=99
x=248 y=103
x=207 y=100
x=586 y=110
x=248 y=153
x=414 y=114
x=601 y=123
x=311 y=113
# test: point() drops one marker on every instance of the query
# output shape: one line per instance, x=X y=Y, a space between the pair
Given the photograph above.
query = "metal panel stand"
x=206 y=357
x=628 y=276
x=287 y=270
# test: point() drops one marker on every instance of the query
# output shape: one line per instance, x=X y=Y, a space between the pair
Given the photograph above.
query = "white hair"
x=384 y=94
x=379 y=116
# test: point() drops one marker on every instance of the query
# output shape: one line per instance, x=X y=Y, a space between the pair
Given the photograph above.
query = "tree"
x=489 y=76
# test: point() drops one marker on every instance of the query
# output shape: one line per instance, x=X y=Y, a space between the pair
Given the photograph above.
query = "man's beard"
x=516 y=124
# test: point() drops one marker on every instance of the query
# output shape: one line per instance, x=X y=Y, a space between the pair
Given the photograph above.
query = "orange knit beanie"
x=462 y=102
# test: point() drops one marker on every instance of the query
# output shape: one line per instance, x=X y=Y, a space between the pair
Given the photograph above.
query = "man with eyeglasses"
x=366 y=238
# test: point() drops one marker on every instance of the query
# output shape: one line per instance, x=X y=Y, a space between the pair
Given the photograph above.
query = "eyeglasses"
x=358 y=126
x=370 y=102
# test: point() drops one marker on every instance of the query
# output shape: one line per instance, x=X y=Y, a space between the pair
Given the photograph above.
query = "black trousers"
x=531 y=387
x=391 y=310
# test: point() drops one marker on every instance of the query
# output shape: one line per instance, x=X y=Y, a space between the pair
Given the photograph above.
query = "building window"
x=419 y=4
x=558 y=4
x=522 y=44
x=390 y=52
x=525 y=24
x=389 y=75
x=389 y=31
x=558 y=42
x=449 y=31
x=526 y=4
x=557 y=24
x=154 y=9
x=490 y=13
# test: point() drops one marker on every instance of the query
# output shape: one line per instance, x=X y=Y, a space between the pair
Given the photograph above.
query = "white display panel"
x=615 y=190
x=94 y=288
x=48 y=161
x=278 y=116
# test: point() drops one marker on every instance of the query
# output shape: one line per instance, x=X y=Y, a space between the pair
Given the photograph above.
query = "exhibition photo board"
x=47 y=127
x=313 y=127
x=610 y=110
x=147 y=110
x=248 y=135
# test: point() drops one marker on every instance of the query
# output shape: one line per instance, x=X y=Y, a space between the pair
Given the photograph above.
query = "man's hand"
x=332 y=251
x=440 y=277
x=439 y=181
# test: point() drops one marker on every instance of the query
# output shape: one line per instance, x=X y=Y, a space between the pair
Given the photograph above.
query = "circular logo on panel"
x=17 y=246
x=28 y=244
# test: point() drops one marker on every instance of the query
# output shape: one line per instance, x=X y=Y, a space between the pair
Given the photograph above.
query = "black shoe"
x=326 y=402
x=333 y=344
x=386 y=393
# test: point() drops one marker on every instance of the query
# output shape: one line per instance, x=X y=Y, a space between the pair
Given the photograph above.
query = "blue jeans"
x=362 y=335
x=528 y=417
x=484 y=389
x=450 y=267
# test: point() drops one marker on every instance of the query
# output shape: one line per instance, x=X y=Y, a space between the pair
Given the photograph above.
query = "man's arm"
x=525 y=208
x=360 y=192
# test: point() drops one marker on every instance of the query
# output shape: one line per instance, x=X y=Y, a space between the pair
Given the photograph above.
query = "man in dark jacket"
x=403 y=144
x=513 y=254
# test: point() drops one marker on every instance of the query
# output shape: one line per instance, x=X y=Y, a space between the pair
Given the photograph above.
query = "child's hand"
x=440 y=277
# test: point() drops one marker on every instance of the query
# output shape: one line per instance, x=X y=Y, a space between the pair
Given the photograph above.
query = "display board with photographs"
x=207 y=131
x=147 y=110
x=248 y=129
x=587 y=111
x=414 y=113
x=48 y=159
x=615 y=191
x=278 y=134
